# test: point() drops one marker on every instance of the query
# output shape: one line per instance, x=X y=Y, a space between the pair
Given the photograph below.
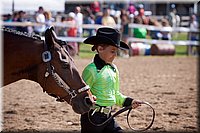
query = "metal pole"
x=13 y=6
x=195 y=8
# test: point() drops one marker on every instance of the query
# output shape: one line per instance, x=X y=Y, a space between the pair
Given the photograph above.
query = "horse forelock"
x=25 y=34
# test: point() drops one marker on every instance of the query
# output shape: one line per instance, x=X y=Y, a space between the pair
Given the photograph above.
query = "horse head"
x=62 y=79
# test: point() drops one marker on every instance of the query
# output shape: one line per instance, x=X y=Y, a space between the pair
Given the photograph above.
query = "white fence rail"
x=130 y=39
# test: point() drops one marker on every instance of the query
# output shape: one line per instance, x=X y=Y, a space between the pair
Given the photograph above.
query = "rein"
x=46 y=57
x=129 y=108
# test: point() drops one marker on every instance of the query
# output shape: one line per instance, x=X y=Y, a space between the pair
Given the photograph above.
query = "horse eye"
x=66 y=65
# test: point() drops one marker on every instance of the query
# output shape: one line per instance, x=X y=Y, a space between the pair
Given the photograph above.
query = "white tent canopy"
x=59 y=5
x=140 y=1
x=31 y=5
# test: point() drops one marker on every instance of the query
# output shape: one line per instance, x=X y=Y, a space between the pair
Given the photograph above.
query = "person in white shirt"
x=193 y=36
x=40 y=18
x=193 y=26
x=79 y=21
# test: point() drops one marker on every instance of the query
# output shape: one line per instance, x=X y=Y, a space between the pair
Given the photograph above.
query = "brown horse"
x=27 y=56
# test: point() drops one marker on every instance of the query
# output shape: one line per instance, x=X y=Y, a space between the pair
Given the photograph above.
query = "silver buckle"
x=106 y=110
x=73 y=94
x=46 y=56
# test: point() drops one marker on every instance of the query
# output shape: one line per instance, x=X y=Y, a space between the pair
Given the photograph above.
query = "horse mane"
x=25 y=34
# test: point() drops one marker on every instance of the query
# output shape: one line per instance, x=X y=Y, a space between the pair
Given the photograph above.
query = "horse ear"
x=52 y=40
x=48 y=38
x=52 y=28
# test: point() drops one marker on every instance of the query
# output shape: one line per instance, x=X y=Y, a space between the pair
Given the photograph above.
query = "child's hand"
x=136 y=103
x=94 y=98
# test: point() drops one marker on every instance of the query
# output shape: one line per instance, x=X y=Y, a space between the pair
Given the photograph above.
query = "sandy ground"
x=169 y=84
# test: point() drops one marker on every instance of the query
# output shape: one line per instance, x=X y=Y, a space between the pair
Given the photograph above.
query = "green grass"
x=180 y=50
x=85 y=51
x=180 y=36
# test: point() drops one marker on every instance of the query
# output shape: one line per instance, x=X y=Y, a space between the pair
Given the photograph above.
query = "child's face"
x=107 y=53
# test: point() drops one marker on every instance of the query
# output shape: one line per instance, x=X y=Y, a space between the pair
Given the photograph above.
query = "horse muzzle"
x=82 y=103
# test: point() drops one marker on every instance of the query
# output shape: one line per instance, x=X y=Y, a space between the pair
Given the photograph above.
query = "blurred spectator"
x=40 y=18
x=88 y=19
x=117 y=17
x=95 y=7
x=193 y=36
x=48 y=18
x=142 y=16
x=178 y=20
x=62 y=31
x=193 y=26
x=107 y=20
x=15 y=16
x=8 y=18
x=72 y=32
x=21 y=18
x=155 y=34
x=166 y=32
x=139 y=32
x=124 y=25
x=174 y=18
x=125 y=31
x=79 y=21
x=98 y=19
x=131 y=8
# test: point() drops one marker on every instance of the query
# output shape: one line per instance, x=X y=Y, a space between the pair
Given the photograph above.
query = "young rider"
x=103 y=78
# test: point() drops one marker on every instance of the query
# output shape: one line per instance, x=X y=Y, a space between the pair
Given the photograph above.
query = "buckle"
x=105 y=110
x=72 y=94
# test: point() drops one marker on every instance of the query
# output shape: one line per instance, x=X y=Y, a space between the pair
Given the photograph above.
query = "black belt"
x=102 y=109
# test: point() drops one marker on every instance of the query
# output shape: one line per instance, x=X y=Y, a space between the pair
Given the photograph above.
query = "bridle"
x=46 y=57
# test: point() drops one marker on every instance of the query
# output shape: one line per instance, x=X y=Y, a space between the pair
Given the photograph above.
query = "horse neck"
x=22 y=60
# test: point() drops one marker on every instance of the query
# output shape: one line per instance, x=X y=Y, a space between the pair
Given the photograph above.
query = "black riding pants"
x=98 y=118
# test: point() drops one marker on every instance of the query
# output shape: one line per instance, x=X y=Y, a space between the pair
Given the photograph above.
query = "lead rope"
x=123 y=110
x=151 y=123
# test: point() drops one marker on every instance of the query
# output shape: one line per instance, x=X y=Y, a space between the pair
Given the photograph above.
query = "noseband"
x=46 y=57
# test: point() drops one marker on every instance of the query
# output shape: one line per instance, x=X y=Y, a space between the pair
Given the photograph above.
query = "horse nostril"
x=88 y=102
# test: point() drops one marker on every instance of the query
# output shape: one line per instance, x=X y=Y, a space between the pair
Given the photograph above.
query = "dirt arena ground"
x=169 y=84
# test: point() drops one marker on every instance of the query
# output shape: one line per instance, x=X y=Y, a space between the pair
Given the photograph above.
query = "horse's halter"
x=46 y=57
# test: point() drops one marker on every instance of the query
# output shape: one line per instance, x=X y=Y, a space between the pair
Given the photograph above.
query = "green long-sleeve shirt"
x=103 y=80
